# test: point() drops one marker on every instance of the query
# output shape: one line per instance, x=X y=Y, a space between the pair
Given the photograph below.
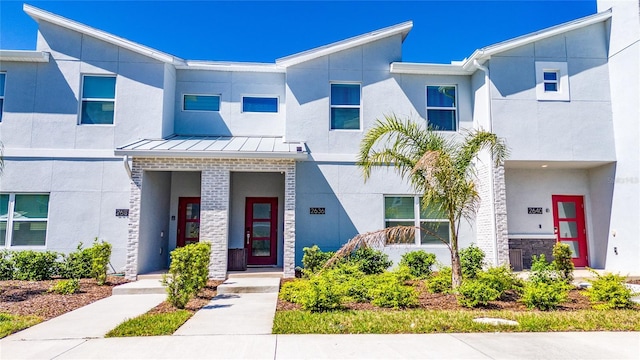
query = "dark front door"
x=188 y=221
x=261 y=230
x=569 y=226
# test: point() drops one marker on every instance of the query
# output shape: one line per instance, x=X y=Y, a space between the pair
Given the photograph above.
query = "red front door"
x=569 y=226
x=188 y=221
x=261 y=229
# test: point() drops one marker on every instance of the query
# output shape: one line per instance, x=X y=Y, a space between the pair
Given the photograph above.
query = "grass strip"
x=13 y=323
x=431 y=321
x=151 y=324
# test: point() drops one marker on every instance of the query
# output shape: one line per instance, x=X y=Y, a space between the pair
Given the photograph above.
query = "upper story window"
x=345 y=106
x=259 y=104
x=409 y=211
x=98 y=99
x=23 y=219
x=442 y=110
x=2 y=80
x=552 y=81
x=201 y=102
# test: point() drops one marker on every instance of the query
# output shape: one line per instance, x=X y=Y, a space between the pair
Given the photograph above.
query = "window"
x=409 y=211
x=345 y=106
x=98 y=99
x=2 y=80
x=23 y=219
x=201 y=103
x=552 y=81
x=442 y=108
x=259 y=104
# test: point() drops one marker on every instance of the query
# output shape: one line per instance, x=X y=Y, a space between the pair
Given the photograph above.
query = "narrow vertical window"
x=98 y=99
x=345 y=106
x=4 y=218
x=550 y=79
x=2 y=80
x=442 y=108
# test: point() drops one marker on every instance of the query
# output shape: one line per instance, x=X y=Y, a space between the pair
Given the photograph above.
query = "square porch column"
x=289 y=221
x=214 y=217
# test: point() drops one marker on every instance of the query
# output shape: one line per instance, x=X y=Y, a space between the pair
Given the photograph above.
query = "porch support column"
x=500 y=198
x=289 y=221
x=214 y=217
x=131 y=267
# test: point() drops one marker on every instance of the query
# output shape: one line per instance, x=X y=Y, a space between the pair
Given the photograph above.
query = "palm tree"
x=438 y=167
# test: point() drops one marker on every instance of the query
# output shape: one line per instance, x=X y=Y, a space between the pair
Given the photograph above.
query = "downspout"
x=125 y=160
x=492 y=196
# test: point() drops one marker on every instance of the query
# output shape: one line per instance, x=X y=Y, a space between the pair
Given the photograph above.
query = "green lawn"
x=431 y=321
x=12 y=323
x=151 y=324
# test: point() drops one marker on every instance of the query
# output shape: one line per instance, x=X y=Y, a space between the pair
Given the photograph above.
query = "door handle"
x=248 y=236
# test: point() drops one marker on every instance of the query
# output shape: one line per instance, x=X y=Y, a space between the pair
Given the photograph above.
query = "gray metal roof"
x=216 y=147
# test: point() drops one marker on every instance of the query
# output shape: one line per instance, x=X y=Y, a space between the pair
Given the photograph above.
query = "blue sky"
x=262 y=31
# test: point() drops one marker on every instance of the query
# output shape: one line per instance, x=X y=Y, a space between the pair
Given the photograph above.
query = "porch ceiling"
x=216 y=147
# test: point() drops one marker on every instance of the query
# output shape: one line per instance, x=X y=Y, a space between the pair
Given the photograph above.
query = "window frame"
x=359 y=106
x=447 y=108
x=83 y=98
x=10 y=221
x=184 y=95
x=417 y=219
x=562 y=92
x=262 y=96
x=2 y=93
x=555 y=82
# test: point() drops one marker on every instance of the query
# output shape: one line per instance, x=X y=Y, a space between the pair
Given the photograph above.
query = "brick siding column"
x=214 y=216
x=289 y=221
x=131 y=267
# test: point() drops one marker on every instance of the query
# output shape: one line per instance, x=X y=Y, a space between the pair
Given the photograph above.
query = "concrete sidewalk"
x=576 y=345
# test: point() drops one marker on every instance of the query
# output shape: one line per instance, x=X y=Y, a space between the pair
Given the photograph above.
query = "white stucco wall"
x=154 y=226
x=183 y=184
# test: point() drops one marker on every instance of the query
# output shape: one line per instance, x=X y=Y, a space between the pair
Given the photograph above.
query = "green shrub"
x=6 y=265
x=290 y=291
x=389 y=292
x=609 y=292
x=323 y=293
x=543 y=295
x=188 y=273
x=77 y=264
x=471 y=261
x=542 y=271
x=313 y=259
x=100 y=255
x=66 y=287
x=562 y=261
x=501 y=279
x=419 y=263
x=474 y=292
x=440 y=282
x=34 y=265
x=370 y=261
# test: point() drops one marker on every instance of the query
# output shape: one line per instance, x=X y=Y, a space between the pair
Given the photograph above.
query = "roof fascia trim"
x=24 y=56
x=214 y=155
x=39 y=14
x=402 y=28
x=230 y=66
x=484 y=54
x=428 y=69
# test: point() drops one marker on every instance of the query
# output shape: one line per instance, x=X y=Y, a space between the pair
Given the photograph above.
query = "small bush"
x=77 y=264
x=471 y=261
x=6 y=265
x=34 y=265
x=100 y=254
x=545 y=296
x=66 y=287
x=474 y=292
x=562 y=261
x=542 y=271
x=313 y=259
x=323 y=293
x=188 y=273
x=501 y=279
x=609 y=292
x=440 y=282
x=291 y=290
x=391 y=293
x=370 y=261
x=419 y=263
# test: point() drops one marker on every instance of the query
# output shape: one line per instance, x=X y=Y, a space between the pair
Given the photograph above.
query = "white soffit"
x=39 y=14
x=230 y=66
x=24 y=56
x=300 y=57
x=428 y=69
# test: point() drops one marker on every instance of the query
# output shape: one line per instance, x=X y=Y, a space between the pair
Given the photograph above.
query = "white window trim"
x=219 y=96
x=10 y=221
x=563 y=81
x=83 y=99
x=416 y=222
x=263 y=96
x=3 y=94
x=455 y=108
x=359 y=107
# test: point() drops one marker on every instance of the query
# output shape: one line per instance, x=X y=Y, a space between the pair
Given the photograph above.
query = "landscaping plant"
x=313 y=259
x=188 y=273
x=546 y=288
x=471 y=261
x=419 y=263
x=474 y=292
x=370 y=261
x=100 y=255
x=562 y=261
x=609 y=291
x=77 y=264
x=6 y=265
x=66 y=287
x=34 y=265
x=440 y=282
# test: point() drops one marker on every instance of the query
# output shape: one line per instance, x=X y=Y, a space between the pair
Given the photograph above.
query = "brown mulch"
x=428 y=301
x=203 y=297
x=21 y=297
x=634 y=281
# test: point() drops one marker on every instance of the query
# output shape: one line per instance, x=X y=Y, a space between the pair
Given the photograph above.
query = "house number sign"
x=535 y=210
x=122 y=212
x=316 y=211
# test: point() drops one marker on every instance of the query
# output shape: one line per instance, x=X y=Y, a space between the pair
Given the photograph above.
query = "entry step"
x=145 y=286
x=246 y=285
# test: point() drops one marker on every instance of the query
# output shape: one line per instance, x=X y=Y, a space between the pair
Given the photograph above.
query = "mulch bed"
x=203 y=297
x=20 y=297
x=429 y=301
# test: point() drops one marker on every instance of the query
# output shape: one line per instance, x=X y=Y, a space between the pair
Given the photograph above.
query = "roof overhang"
x=220 y=147
x=230 y=66
x=301 y=57
x=41 y=15
x=428 y=69
x=24 y=56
